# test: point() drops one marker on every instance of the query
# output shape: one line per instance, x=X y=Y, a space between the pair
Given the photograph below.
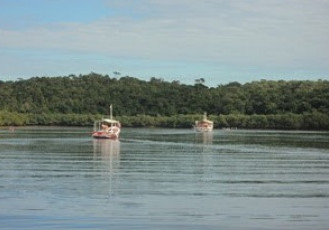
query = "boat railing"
x=97 y=125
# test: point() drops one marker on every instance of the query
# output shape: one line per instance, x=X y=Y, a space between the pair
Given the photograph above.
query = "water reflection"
x=164 y=179
x=106 y=149
x=108 y=153
x=204 y=138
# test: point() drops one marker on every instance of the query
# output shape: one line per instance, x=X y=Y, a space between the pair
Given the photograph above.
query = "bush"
x=309 y=121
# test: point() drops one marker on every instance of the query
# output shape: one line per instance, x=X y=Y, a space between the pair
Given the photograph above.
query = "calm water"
x=59 y=178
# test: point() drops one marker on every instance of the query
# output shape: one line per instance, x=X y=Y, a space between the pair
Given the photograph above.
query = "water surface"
x=60 y=178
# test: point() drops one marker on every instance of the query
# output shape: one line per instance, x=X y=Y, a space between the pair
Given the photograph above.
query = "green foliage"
x=77 y=100
x=310 y=121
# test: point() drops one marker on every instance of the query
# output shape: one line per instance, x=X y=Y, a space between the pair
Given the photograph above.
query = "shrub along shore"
x=288 y=121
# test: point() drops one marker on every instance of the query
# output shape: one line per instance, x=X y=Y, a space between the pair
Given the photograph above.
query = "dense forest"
x=77 y=100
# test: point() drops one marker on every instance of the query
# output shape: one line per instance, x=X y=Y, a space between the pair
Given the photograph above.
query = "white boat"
x=204 y=125
x=107 y=128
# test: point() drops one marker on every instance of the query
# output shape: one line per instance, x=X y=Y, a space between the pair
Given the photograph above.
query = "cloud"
x=256 y=32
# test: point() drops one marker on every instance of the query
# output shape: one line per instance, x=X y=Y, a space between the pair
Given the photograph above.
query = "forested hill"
x=93 y=94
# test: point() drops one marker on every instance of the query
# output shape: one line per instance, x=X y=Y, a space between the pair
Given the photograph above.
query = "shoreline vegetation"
x=78 y=100
x=311 y=121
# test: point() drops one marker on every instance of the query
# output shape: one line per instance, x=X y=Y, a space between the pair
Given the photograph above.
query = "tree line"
x=289 y=121
x=80 y=99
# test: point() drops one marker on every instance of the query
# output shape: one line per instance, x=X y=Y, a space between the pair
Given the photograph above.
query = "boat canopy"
x=207 y=121
x=109 y=121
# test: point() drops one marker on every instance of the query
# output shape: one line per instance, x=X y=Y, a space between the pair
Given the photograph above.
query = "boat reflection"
x=204 y=138
x=106 y=148
x=107 y=152
x=203 y=141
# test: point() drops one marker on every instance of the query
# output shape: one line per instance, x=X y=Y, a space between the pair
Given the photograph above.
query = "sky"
x=220 y=41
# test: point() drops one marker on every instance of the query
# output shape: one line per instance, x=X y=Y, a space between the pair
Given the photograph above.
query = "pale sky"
x=218 y=40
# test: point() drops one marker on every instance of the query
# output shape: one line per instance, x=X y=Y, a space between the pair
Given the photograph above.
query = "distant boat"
x=204 y=125
x=107 y=128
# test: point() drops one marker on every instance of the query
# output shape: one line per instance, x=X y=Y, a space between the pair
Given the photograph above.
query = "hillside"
x=93 y=93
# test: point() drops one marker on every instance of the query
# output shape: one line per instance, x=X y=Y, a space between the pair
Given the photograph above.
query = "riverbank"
x=289 y=121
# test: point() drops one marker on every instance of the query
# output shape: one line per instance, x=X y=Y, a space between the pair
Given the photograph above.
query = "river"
x=60 y=178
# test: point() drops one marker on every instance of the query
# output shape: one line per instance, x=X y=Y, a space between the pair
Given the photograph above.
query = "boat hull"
x=105 y=135
x=203 y=128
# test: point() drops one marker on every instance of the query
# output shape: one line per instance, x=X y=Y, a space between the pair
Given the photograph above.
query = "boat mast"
x=111 y=115
x=205 y=116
